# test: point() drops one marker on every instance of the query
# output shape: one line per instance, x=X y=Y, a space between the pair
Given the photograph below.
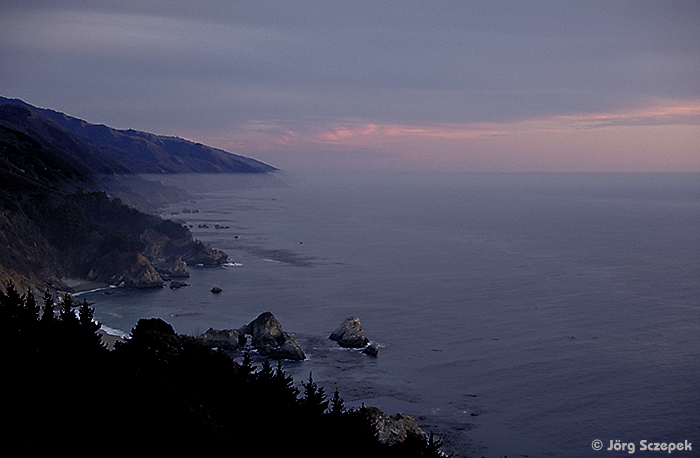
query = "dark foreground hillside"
x=161 y=392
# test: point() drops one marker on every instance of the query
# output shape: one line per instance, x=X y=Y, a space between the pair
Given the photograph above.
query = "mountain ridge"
x=144 y=152
x=53 y=139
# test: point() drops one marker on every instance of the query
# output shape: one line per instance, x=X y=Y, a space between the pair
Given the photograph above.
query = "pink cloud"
x=662 y=136
x=358 y=133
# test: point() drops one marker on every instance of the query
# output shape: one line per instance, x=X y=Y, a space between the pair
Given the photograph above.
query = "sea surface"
x=516 y=314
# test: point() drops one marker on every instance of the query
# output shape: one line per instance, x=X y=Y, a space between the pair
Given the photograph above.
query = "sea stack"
x=270 y=340
x=349 y=334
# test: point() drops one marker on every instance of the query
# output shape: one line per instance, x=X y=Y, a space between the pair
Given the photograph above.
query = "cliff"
x=57 y=218
x=88 y=235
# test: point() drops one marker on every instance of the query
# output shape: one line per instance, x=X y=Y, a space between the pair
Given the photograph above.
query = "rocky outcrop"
x=289 y=349
x=144 y=275
x=266 y=336
x=180 y=244
x=265 y=330
x=226 y=339
x=394 y=429
x=372 y=349
x=349 y=334
x=174 y=267
x=127 y=270
x=200 y=254
x=270 y=340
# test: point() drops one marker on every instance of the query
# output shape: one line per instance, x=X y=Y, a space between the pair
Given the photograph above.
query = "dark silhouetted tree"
x=284 y=384
x=247 y=369
x=89 y=327
x=314 y=399
x=65 y=312
x=47 y=311
x=31 y=308
x=12 y=307
x=265 y=374
x=337 y=404
x=180 y=395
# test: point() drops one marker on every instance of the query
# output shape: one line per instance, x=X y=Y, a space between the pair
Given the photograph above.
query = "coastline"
x=78 y=286
x=109 y=339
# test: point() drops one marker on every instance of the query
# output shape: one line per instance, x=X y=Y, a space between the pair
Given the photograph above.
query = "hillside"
x=68 y=154
x=58 y=215
x=133 y=151
x=173 y=395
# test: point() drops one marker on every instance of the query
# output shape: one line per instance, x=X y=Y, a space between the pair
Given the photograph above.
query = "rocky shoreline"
x=265 y=335
x=161 y=262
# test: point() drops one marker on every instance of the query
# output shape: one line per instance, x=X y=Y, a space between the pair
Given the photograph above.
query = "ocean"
x=516 y=314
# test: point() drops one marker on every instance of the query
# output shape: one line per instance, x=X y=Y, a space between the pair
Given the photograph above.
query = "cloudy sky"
x=376 y=85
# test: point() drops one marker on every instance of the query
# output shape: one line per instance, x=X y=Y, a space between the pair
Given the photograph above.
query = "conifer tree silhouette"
x=180 y=395
x=89 y=327
x=66 y=313
x=337 y=403
x=314 y=400
x=47 y=311
x=284 y=384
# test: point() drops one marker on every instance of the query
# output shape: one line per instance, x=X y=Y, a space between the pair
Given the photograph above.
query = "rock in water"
x=349 y=334
x=372 y=349
x=265 y=330
x=226 y=339
x=394 y=429
x=175 y=284
x=290 y=349
x=270 y=340
x=216 y=289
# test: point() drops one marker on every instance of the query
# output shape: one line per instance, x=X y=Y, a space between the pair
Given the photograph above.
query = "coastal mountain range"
x=107 y=150
x=67 y=194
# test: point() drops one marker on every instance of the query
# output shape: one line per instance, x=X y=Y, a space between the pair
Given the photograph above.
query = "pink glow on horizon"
x=659 y=137
x=354 y=133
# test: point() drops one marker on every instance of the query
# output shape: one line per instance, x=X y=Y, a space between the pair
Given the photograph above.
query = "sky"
x=483 y=86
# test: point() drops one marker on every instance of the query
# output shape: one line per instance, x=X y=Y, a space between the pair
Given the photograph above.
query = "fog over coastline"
x=439 y=86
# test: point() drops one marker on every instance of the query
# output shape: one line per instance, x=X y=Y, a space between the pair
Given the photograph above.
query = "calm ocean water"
x=516 y=314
